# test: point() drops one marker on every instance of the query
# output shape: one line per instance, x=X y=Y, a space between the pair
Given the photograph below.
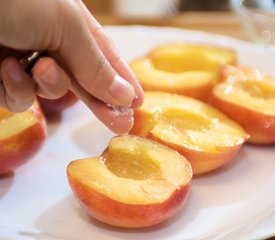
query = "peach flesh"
x=198 y=131
x=21 y=137
x=135 y=183
x=251 y=95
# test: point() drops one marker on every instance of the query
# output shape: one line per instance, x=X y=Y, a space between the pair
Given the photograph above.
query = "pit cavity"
x=185 y=120
x=135 y=166
x=178 y=62
x=257 y=89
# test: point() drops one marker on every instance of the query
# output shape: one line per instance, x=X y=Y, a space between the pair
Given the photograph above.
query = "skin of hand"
x=81 y=57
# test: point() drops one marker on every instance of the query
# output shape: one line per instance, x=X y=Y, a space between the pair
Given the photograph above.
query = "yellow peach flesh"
x=5 y=114
x=125 y=165
x=145 y=69
x=132 y=183
x=204 y=135
x=187 y=69
x=190 y=134
x=257 y=95
x=21 y=136
x=191 y=123
x=13 y=123
x=176 y=57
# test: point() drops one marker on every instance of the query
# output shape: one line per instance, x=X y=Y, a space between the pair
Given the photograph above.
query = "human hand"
x=81 y=57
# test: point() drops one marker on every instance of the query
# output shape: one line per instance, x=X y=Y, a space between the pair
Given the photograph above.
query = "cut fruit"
x=135 y=183
x=21 y=136
x=182 y=68
x=205 y=136
x=248 y=97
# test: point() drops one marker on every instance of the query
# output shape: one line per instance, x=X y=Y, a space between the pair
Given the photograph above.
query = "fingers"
x=17 y=90
x=58 y=26
x=118 y=119
x=108 y=48
x=95 y=81
x=90 y=67
x=51 y=79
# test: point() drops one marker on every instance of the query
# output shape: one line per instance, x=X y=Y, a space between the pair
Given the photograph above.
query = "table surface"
x=225 y=23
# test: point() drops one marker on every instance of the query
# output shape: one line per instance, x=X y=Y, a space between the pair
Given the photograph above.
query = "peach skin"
x=21 y=136
x=248 y=97
x=135 y=183
x=183 y=68
x=204 y=135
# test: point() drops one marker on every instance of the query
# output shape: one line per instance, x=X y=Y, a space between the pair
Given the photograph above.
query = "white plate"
x=236 y=202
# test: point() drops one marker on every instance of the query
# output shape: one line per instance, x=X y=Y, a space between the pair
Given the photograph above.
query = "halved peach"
x=205 y=136
x=248 y=97
x=53 y=106
x=135 y=183
x=183 y=68
x=21 y=136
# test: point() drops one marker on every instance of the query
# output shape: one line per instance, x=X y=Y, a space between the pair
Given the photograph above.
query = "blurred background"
x=107 y=6
x=252 y=20
x=214 y=16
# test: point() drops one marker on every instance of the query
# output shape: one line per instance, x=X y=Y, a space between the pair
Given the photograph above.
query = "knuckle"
x=18 y=105
x=116 y=61
x=102 y=77
x=98 y=29
x=17 y=99
x=3 y=103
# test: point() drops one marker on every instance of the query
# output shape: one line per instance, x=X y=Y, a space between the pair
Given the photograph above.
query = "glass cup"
x=144 y=8
x=258 y=19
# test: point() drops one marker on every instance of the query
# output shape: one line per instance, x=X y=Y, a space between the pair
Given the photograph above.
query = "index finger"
x=110 y=51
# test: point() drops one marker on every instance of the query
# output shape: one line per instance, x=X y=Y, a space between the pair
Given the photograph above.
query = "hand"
x=81 y=57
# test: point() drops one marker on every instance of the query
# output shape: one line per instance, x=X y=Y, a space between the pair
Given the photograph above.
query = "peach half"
x=204 y=135
x=183 y=68
x=21 y=136
x=135 y=183
x=248 y=97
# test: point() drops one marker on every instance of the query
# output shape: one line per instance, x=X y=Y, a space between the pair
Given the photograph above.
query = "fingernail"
x=121 y=90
